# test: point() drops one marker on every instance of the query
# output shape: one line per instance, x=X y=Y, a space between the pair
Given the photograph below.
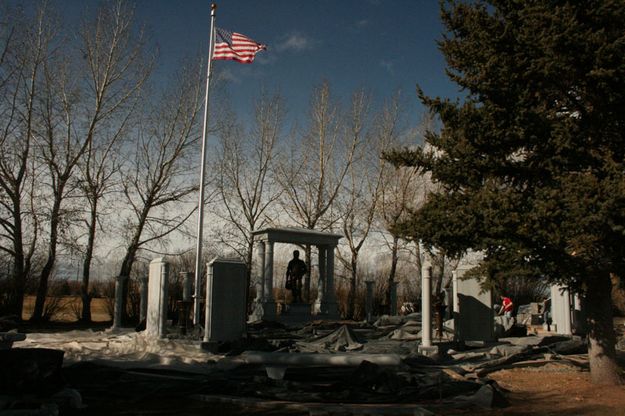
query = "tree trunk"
x=393 y=272
x=125 y=270
x=42 y=290
x=601 y=337
x=16 y=303
x=353 y=285
x=86 y=268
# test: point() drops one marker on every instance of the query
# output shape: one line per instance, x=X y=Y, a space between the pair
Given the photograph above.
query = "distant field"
x=68 y=305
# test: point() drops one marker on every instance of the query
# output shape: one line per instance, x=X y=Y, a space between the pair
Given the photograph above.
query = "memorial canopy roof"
x=297 y=236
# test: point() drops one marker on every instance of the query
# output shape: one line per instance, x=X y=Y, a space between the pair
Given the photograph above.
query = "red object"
x=506 y=304
x=232 y=46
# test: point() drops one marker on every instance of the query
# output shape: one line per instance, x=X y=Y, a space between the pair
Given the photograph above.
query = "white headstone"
x=157 y=298
x=473 y=311
x=226 y=290
x=561 y=309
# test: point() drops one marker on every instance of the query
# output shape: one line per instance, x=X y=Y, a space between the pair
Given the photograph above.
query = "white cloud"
x=294 y=42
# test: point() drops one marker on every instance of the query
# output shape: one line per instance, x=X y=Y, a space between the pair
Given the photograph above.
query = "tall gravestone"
x=561 y=309
x=473 y=310
x=157 y=298
x=226 y=290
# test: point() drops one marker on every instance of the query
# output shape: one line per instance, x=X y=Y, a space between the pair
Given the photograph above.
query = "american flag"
x=235 y=47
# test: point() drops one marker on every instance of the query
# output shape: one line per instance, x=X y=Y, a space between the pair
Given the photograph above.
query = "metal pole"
x=200 y=226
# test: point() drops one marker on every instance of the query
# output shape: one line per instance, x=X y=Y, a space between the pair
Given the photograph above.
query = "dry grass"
x=67 y=307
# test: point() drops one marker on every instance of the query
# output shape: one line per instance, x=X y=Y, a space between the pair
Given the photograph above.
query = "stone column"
x=561 y=309
x=321 y=284
x=261 y=265
x=158 y=284
x=306 y=283
x=120 y=283
x=426 y=305
x=566 y=315
x=393 y=305
x=369 y=301
x=329 y=306
x=269 y=304
x=187 y=286
x=268 y=272
x=143 y=305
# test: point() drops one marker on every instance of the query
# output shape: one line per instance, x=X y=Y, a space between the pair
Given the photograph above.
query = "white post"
x=321 y=282
x=567 y=329
x=268 y=271
x=200 y=226
x=261 y=262
x=208 y=309
x=426 y=305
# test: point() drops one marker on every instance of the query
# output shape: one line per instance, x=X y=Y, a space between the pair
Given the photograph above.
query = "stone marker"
x=157 y=298
x=474 y=313
x=561 y=309
x=226 y=292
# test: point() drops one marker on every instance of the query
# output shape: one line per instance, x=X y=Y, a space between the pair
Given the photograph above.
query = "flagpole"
x=200 y=227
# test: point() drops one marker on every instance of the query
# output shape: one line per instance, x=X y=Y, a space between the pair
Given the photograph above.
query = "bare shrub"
x=59 y=303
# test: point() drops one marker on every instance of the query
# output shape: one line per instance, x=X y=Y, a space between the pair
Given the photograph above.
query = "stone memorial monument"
x=158 y=282
x=473 y=310
x=325 y=305
x=226 y=290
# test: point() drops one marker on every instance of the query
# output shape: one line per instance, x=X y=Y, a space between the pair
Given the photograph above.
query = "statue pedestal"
x=296 y=314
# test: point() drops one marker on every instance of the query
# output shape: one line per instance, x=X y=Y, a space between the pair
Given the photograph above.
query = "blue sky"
x=381 y=45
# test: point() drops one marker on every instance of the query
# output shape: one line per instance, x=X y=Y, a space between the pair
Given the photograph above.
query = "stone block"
x=296 y=314
x=226 y=291
x=474 y=317
x=156 y=318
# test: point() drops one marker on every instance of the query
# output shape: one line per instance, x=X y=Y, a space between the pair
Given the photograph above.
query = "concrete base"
x=296 y=314
x=210 y=346
x=276 y=363
x=428 y=351
x=269 y=311
x=327 y=310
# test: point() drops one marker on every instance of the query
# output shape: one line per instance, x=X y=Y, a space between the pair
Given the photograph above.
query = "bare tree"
x=73 y=108
x=246 y=181
x=405 y=189
x=359 y=202
x=26 y=47
x=116 y=70
x=314 y=173
x=155 y=178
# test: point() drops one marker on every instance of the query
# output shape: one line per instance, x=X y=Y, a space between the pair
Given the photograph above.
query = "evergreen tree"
x=532 y=160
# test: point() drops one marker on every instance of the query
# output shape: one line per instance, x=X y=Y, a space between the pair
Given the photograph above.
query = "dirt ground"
x=68 y=307
x=542 y=391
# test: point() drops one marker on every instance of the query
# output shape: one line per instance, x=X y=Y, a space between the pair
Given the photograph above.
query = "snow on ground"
x=124 y=348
